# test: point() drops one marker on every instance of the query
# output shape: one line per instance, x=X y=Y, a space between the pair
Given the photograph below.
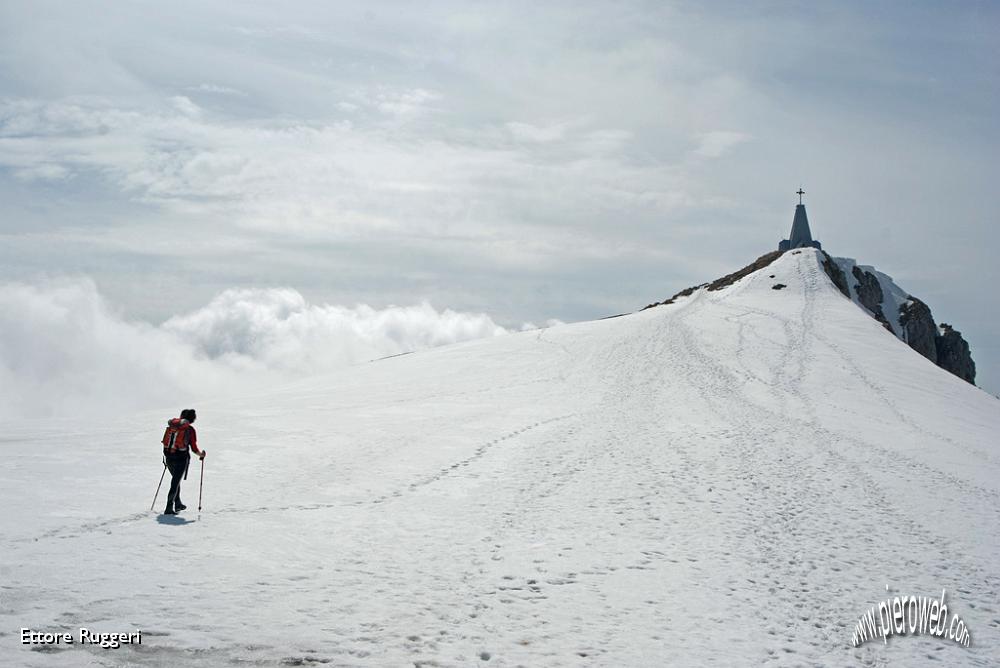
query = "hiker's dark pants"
x=177 y=463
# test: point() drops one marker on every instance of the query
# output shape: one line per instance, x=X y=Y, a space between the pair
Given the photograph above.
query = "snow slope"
x=729 y=480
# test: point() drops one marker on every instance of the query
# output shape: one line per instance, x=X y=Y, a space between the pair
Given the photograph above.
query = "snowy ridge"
x=905 y=316
x=893 y=296
x=728 y=480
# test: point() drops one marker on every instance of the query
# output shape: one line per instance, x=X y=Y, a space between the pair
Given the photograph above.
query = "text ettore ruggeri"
x=83 y=637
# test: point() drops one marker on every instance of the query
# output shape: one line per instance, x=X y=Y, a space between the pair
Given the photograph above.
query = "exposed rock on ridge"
x=919 y=329
x=870 y=294
x=836 y=274
x=723 y=282
x=953 y=354
x=904 y=315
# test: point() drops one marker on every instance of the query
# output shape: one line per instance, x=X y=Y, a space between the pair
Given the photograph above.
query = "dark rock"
x=946 y=348
x=756 y=265
x=953 y=354
x=870 y=295
x=725 y=281
x=836 y=274
x=686 y=292
x=778 y=286
x=919 y=330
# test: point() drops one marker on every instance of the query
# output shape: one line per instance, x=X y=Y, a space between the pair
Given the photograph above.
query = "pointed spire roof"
x=801 y=235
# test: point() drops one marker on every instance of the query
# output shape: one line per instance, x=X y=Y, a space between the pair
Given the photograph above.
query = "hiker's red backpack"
x=175 y=438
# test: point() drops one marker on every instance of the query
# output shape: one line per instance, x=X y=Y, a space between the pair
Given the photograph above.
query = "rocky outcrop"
x=723 y=282
x=919 y=330
x=953 y=354
x=756 y=265
x=911 y=319
x=686 y=292
x=836 y=274
x=870 y=295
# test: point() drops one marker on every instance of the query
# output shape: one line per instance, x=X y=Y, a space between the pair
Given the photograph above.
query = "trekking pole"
x=201 y=483
x=158 y=487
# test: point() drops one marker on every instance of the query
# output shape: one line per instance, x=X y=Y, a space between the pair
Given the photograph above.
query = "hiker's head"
x=188 y=414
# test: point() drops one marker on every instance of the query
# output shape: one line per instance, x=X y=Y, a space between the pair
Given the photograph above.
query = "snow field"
x=729 y=480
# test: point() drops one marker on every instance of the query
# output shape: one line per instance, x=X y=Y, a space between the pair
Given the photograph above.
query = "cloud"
x=345 y=180
x=551 y=322
x=537 y=133
x=394 y=103
x=183 y=104
x=217 y=89
x=276 y=329
x=405 y=102
x=64 y=351
x=42 y=172
x=715 y=144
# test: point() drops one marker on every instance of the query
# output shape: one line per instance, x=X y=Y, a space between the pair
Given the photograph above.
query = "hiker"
x=179 y=440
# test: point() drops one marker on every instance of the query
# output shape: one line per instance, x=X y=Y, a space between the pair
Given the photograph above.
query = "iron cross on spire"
x=800 y=192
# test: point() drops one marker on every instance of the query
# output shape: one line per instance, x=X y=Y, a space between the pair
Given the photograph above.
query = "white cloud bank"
x=64 y=351
x=276 y=329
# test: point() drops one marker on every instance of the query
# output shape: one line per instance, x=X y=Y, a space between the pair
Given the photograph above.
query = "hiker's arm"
x=194 y=443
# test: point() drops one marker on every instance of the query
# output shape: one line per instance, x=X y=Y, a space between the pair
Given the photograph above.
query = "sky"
x=432 y=172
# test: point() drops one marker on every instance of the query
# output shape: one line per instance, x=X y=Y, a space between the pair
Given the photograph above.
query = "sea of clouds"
x=65 y=351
